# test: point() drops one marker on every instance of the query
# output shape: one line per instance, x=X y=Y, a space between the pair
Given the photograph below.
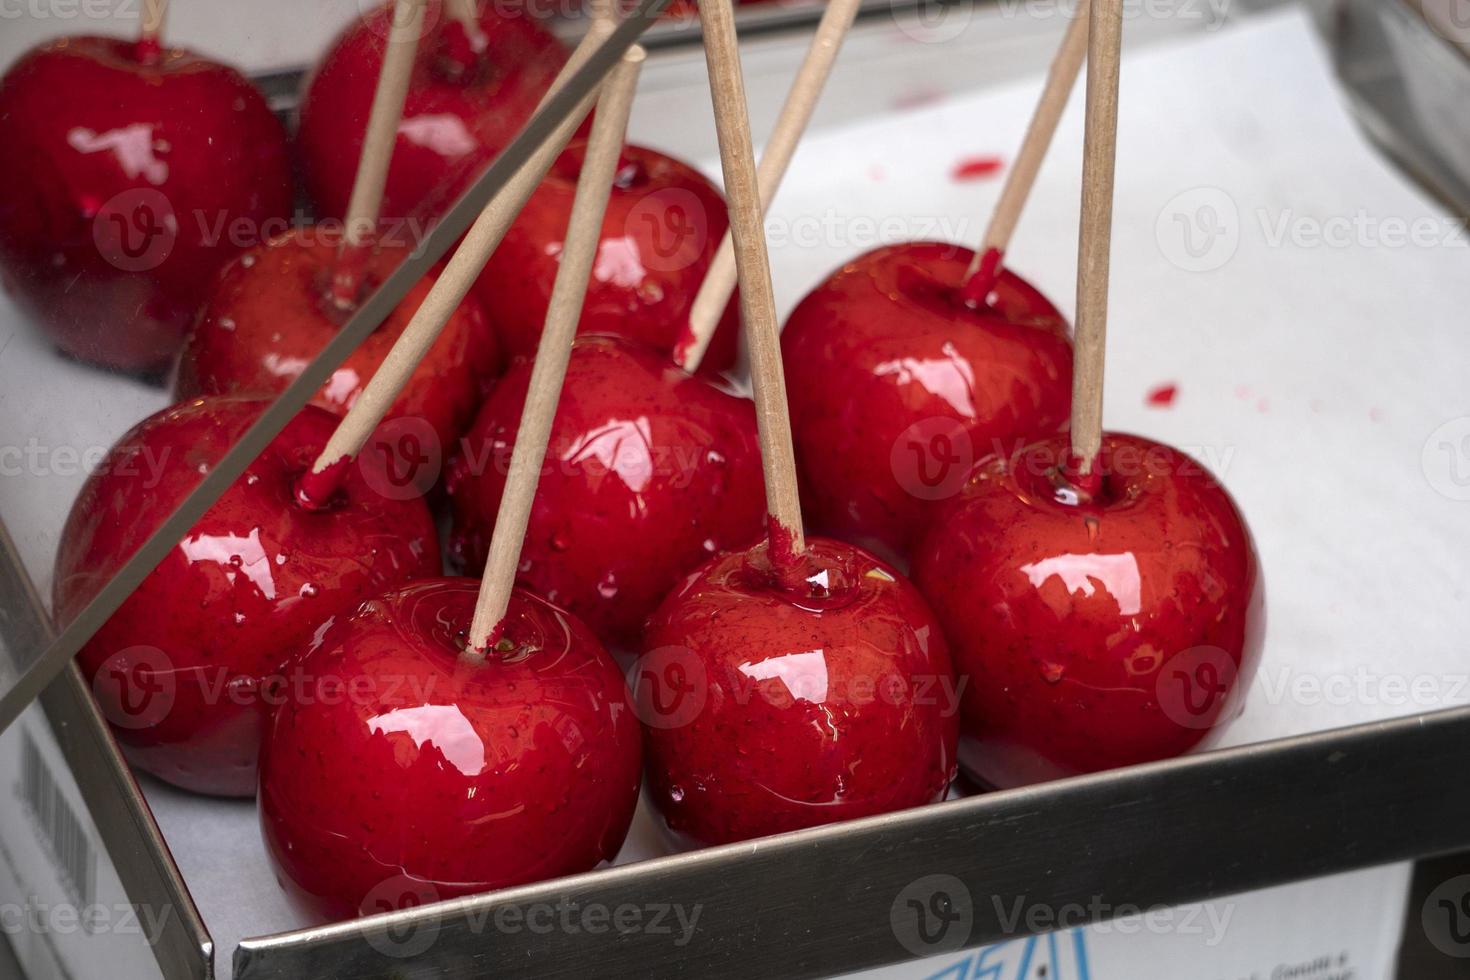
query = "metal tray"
x=1173 y=832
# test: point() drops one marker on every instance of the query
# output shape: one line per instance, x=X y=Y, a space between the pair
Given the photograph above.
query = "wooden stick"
x=463 y=13
x=150 y=33
x=548 y=371
x=1060 y=81
x=801 y=102
x=448 y=291
x=757 y=296
x=405 y=28
x=1095 y=242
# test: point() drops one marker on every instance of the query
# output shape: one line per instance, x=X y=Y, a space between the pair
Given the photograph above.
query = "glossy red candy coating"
x=1096 y=632
x=663 y=225
x=897 y=387
x=650 y=471
x=458 y=114
x=188 y=667
x=121 y=181
x=270 y=314
x=768 y=710
x=410 y=773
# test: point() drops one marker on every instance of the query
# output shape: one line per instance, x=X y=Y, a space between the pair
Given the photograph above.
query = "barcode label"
x=57 y=825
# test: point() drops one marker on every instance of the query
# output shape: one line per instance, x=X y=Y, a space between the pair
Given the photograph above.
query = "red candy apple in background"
x=124 y=170
x=663 y=225
x=769 y=708
x=898 y=384
x=271 y=313
x=412 y=770
x=1095 y=629
x=650 y=472
x=187 y=668
x=463 y=106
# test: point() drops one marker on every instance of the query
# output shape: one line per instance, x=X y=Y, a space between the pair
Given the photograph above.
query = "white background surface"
x=1312 y=378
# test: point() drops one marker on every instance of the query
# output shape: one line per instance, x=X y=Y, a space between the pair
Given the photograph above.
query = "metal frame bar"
x=1077 y=851
x=132 y=839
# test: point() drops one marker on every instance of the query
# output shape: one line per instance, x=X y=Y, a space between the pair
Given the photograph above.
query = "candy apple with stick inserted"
x=1097 y=628
x=416 y=772
x=467 y=98
x=129 y=171
x=774 y=702
x=663 y=225
x=272 y=311
x=491 y=742
x=913 y=361
x=653 y=471
x=791 y=683
x=898 y=383
x=1101 y=592
x=187 y=669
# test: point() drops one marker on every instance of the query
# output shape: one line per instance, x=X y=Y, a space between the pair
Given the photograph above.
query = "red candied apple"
x=190 y=665
x=663 y=225
x=650 y=472
x=898 y=383
x=128 y=174
x=410 y=771
x=462 y=108
x=770 y=708
x=272 y=311
x=1097 y=629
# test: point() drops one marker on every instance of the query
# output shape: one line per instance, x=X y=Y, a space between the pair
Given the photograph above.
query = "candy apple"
x=663 y=225
x=1098 y=625
x=130 y=175
x=898 y=382
x=464 y=105
x=770 y=707
x=272 y=311
x=406 y=770
x=650 y=472
x=190 y=665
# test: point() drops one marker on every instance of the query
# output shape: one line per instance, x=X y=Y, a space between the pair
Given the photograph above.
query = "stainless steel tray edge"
x=132 y=839
x=978 y=870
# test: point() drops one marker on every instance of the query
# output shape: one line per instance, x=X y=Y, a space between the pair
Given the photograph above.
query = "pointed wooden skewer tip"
x=548 y=371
